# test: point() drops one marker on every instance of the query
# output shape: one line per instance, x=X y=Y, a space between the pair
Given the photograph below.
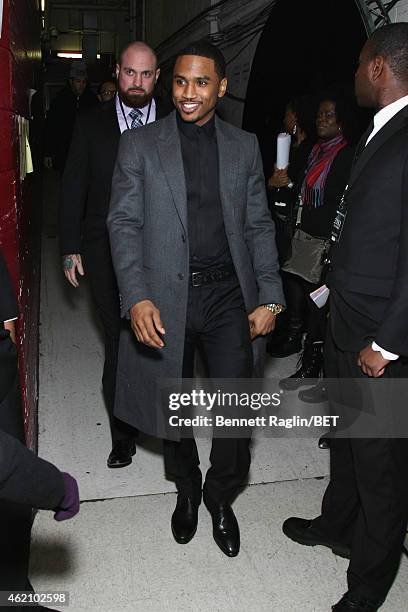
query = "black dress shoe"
x=121 y=454
x=305 y=532
x=324 y=442
x=355 y=603
x=184 y=519
x=225 y=528
x=314 y=395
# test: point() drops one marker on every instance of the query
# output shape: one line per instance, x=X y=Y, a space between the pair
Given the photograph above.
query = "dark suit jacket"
x=27 y=479
x=369 y=274
x=86 y=182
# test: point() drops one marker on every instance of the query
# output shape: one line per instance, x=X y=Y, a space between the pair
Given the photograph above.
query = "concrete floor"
x=118 y=554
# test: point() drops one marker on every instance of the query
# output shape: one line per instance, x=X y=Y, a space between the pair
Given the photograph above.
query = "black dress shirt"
x=206 y=231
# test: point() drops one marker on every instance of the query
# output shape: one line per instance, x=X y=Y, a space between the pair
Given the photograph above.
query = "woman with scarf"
x=319 y=192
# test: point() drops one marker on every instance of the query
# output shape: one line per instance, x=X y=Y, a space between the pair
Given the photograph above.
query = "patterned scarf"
x=318 y=167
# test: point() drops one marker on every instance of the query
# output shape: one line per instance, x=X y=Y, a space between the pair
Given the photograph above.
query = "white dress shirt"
x=147 y=117
x=380 y=119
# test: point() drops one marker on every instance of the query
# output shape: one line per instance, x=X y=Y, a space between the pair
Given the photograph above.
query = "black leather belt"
x=211 y=275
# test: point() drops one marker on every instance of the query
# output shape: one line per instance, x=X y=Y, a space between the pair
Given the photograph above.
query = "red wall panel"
x=7 y=136
x=19 y=212
x=5 y=72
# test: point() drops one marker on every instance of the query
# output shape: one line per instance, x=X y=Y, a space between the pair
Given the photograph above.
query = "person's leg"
x=366 y=501
x=380 y=527
x=226 y=346
x=99 y=270
x=340 y=506
x=287 y=339
x=181 y=457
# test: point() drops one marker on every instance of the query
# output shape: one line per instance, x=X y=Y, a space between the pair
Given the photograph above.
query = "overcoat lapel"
x=228 y=163
x=390 y=128
x=172 y=163
x=110 y=118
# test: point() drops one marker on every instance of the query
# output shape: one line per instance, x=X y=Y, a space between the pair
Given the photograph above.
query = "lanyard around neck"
x=124 y=114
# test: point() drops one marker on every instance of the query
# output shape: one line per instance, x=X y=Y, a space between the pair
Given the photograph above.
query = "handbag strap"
x=299 y=212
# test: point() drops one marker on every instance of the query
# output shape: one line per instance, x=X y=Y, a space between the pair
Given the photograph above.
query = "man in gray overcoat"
x=193 y=247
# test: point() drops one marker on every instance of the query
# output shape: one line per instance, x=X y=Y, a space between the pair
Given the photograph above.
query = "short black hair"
x=391 y=42
x=203 y=48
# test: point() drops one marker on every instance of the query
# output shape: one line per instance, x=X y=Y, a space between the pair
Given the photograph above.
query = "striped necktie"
x=136 y=117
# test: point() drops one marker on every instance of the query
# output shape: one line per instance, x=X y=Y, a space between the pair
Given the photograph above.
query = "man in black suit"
x=74 y=99
x=365 y=507
x=85 y=194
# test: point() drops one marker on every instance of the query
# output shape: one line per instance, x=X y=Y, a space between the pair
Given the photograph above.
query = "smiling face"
x=196 y=88
x=137 y=75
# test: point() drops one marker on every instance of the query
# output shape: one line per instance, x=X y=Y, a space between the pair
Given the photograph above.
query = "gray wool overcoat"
x=150 y=249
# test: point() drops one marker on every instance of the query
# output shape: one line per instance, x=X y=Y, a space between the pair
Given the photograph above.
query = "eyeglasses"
x=108 y=92
x=326 y=115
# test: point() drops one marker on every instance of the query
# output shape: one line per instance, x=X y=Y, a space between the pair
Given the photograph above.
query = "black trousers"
x=217 y=325
x=104 y=289
x=366 y=501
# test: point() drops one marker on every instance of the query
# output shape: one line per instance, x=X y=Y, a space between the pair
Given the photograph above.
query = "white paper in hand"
x=282 y=151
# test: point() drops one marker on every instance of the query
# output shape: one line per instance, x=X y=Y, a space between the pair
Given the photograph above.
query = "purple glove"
x=69 y=504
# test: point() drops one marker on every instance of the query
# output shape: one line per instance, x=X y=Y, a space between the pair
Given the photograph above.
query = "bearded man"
x=85 y=195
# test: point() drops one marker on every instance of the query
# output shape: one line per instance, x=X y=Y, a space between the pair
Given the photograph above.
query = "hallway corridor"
x=118 y=554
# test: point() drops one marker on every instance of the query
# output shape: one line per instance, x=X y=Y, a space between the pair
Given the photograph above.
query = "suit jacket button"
x=180 y=275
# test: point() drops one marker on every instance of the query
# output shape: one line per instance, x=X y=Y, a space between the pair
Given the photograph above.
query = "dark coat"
x=64 y=110
x=27 y=479
x=86 y=182
x=148 y=232
x=369 y=274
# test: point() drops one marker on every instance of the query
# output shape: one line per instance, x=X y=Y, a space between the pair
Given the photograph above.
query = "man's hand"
x=146 y=322
x=372 y=362
x=278 y=179
x=48 y=162
x=261 y=322
x=70 y=265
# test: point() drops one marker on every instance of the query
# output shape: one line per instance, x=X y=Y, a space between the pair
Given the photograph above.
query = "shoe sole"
x=335 y=548
x=183 y=541
x=306 y=383
x=313 y=401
